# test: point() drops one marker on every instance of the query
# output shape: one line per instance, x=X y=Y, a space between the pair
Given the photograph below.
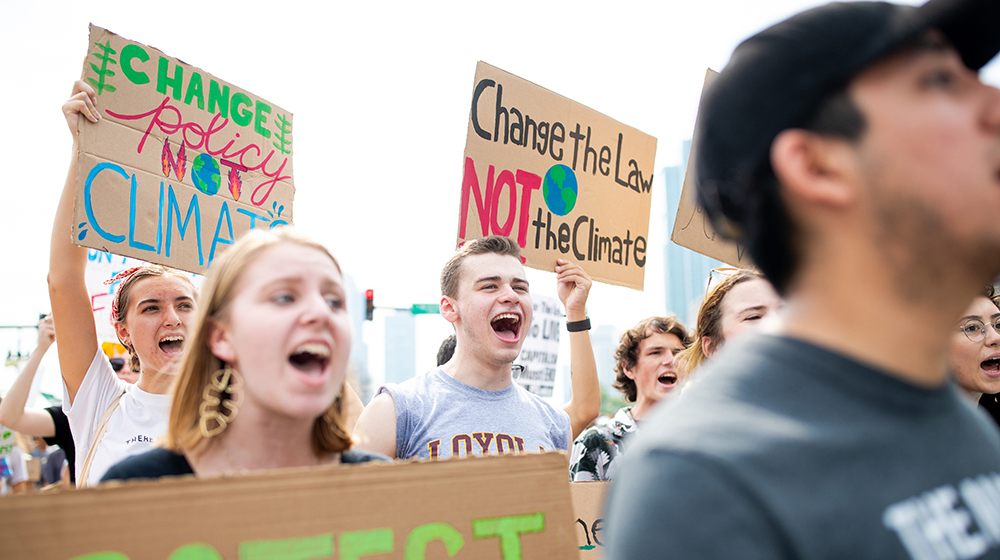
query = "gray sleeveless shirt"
x=438 y=417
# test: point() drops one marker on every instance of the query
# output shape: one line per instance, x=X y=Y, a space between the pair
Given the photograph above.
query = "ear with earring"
x=220 y=401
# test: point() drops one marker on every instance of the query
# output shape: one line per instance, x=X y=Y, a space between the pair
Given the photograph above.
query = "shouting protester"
x=975 y=350
x=262 y=383
x=856 y=154
x=110 y=418
x=646 y=364
x=471 y=405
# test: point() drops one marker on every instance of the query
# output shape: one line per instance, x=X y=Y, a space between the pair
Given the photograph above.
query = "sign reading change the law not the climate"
x=563 y=180
x=181 y=164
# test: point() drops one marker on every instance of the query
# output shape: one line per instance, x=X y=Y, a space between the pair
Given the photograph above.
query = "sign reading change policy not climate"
x=181 y=164
x=563 y=180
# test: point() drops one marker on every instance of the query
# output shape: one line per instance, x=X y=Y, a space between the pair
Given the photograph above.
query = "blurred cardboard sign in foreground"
x=588 y=506
x=502 y=508
x=563 y=180
x=692 y=228
x=181 y=164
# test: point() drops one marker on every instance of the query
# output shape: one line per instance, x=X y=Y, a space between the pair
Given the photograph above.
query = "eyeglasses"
x=975 y=330
x=117 y=364
x=717 y=275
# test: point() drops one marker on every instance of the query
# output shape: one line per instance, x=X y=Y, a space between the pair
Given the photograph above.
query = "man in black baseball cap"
x=854 y=152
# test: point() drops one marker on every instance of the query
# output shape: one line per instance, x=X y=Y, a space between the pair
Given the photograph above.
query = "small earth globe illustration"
x=559 y=189
x=205 y=174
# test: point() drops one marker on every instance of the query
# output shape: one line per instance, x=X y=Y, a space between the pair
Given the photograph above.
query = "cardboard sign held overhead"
x=181 y=164
x=502 y=508
x=563 y=180
x=692 y=228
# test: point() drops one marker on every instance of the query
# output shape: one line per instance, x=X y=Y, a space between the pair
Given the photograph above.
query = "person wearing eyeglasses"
x=975 y=351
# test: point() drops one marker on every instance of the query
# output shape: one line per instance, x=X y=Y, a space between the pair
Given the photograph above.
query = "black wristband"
x=578 y=326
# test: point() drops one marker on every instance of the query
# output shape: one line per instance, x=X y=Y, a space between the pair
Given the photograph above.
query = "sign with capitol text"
x=181 y=162
x=563 y=180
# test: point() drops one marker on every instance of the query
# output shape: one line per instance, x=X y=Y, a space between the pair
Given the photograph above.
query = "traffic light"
x=369 y=304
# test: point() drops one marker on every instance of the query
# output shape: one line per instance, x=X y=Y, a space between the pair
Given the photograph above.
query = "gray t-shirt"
x=781 y=449
x=438 y=417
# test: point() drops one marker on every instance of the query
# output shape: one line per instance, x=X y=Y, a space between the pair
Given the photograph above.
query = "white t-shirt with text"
x=140 y=419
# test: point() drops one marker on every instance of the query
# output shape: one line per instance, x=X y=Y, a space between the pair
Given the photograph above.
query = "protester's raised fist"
x=46 y=331
x=82 y=101
x=573 y=286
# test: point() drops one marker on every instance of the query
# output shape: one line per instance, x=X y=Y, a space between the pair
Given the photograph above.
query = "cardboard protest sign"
x=503 y=508
x=181 y=164
x=561 y=179
x=588 y=506
x=540 y=351
x=691 y=226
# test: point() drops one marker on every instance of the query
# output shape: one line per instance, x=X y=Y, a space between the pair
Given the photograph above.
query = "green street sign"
x=425 y=308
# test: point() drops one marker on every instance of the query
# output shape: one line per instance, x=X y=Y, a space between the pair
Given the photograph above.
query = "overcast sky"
x=380 y=93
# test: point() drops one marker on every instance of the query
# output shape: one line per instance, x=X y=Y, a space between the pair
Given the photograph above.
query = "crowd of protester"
x=834 y=345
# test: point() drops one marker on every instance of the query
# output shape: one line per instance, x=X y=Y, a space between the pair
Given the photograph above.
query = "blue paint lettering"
x=173 y=209
x=131 y=223
x=229 y=222
x=88 y=202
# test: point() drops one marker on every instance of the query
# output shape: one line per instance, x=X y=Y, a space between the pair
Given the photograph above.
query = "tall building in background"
x=358 y=362
x=400 y=346
x=686 y=274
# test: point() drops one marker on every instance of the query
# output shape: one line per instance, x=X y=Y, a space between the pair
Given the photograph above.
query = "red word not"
x=487 y=204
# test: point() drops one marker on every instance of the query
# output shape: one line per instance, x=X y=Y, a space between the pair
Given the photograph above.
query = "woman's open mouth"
x=172 y=345
x=310 y=358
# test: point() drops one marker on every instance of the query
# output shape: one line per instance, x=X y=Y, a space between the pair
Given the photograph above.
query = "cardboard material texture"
x=563 y=180
x=505 y=508
x=540 y=351
x=691 y=226
x=588 y=506
x=181 y=164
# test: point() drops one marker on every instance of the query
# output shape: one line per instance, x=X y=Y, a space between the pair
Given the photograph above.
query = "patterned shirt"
x=596 y=452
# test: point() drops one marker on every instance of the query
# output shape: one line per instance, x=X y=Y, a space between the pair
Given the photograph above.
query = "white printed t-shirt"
x=140 y=419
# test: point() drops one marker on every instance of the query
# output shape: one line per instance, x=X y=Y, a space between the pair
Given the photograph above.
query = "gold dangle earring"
x=220 y=401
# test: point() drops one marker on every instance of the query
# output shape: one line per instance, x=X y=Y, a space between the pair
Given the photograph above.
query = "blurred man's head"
x=858 y=117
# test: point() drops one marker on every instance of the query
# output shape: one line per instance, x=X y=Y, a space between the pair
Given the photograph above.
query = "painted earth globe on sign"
x=559 y=189
x=205 y=174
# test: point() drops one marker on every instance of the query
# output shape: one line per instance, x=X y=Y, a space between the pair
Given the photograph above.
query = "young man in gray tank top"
x=854 y=152
x=470 y=406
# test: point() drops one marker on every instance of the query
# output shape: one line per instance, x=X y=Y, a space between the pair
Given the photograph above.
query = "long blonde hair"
x=199 y=363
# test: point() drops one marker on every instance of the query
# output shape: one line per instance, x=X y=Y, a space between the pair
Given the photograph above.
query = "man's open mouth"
x=507 y=326
x=669 y=379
